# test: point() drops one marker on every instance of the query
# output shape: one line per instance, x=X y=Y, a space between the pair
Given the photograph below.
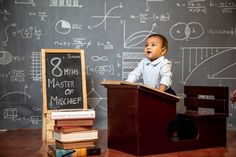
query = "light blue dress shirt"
x=154 y=72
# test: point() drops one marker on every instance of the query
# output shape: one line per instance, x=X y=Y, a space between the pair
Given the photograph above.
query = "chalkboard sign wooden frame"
x=71 y=80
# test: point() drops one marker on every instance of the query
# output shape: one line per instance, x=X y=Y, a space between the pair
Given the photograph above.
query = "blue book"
x=53 y=151
x=58 y=152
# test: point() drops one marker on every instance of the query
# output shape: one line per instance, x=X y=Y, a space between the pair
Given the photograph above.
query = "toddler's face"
x=153 y=48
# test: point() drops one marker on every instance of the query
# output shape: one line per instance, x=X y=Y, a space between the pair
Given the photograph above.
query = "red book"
x=67 y=129
x=74 y=122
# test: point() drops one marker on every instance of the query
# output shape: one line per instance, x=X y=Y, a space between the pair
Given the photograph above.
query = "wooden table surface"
x=28 y=143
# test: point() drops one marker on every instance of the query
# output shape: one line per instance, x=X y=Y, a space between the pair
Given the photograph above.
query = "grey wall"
x=201 y=37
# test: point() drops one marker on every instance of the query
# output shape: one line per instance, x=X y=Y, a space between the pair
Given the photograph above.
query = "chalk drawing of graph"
x=218 y=74
x=36 y=68
x=194 y=57
x=94 y=99
x=103 y=18
x=130 y=60
x=15 y=97
x=136 y=40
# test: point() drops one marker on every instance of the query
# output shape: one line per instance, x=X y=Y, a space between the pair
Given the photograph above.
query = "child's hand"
x=233 y=96
x=162 y=88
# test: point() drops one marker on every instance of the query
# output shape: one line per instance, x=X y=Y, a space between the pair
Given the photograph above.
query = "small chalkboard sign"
x=64 y=79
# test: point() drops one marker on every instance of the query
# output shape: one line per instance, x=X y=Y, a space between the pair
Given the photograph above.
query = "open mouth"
x=148 y=52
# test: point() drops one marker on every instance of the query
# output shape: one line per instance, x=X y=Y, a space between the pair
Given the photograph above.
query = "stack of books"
x=74 y=133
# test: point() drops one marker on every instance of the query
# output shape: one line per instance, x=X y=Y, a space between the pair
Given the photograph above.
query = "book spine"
x=76 y=136
x=79 y=152
x=86 y=152
x=73 y=115
x=62 y=152
x=56 y=152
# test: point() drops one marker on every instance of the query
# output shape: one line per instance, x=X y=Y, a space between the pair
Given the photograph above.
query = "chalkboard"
x=64 y=82
x=201 y=36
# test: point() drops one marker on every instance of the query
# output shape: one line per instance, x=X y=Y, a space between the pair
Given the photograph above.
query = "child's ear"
x=164 y=50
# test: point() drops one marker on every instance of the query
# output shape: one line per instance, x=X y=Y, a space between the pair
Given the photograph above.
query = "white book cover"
x=76 y=136
x=73 y=114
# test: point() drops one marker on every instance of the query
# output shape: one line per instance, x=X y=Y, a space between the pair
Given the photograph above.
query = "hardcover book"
x=76 y=144
x=73 y=114
x=67 y=129
x=76 y=136
x=53 y=151
x=74 y=122
x=56 y=152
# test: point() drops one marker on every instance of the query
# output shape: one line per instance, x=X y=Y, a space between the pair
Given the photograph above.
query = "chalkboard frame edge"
x=44 y=51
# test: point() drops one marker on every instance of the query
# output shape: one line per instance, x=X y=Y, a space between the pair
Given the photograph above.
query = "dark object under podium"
x=140 y=119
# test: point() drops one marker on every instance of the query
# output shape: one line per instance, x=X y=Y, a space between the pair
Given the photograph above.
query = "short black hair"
x=162 y=37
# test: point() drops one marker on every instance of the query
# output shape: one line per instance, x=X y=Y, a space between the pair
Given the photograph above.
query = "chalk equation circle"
x=5 y=57
x=63 y=27
x=27 y=33
x=183 y=31
x=178 y=31
x=196 y=30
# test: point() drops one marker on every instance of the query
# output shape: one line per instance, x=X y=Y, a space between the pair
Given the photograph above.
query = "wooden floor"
x=27 y=143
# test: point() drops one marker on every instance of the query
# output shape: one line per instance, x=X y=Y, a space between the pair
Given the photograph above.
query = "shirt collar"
x=155 y=62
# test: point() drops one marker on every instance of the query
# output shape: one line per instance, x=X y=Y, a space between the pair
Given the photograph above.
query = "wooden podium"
x=138 y=118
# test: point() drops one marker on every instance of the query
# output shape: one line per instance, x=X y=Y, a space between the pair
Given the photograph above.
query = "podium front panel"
x=122 y=118
x=138 y=119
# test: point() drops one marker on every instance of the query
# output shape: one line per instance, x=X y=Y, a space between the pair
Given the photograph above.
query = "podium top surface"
x=138 y=86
